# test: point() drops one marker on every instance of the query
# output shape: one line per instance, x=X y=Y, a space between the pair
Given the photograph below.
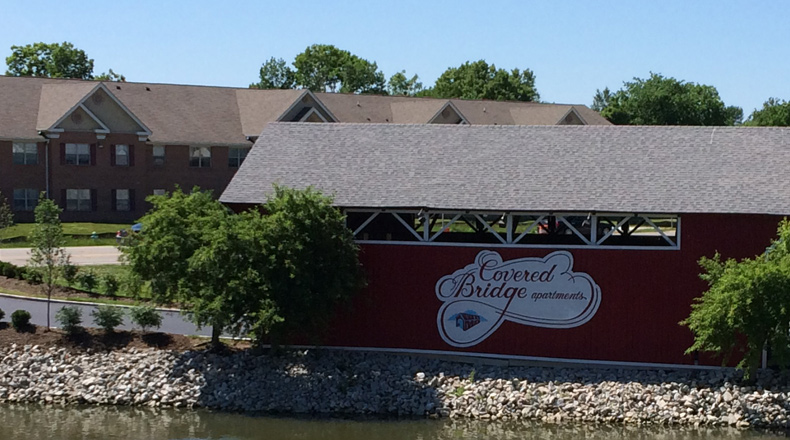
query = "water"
x=34 y=422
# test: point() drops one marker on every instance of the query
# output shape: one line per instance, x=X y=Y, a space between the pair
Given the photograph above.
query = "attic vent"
x=358 y=104
x=97 y=98
x=117 y=87
x=76 y=118
x=445 y=112
x=305 y=99
x=148 y=89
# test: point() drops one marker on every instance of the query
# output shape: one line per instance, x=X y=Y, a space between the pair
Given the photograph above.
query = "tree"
x=177 y=227
x=400 y=85
x=310 y=264
x=749 y=300
x=601 y=99
x=478 y=80
x=275 y=74
x=6 y=216
x=272 y=273
x=55 y=60
x=775 y=112
x=667 y=101
x=323 y=67
x=47 y=256
x=110 y=76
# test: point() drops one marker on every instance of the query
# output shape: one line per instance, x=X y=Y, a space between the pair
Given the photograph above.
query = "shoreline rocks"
x=357 y=383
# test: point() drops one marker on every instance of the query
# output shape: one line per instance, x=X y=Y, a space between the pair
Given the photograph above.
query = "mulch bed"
x=96 y=340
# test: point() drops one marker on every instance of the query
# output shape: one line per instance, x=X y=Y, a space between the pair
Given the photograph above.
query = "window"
x=236 y=156
x=25 y=199
x=122 y=202
x=121 y=154
x=159 y=155
x=78 y=154
x=159 y=192
x=200 y=157
x=78 y=200
x=25 y=153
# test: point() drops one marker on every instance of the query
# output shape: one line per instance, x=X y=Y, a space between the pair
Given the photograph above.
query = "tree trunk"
x=216 y=330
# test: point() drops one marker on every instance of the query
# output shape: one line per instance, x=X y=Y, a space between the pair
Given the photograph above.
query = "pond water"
x=34 y=422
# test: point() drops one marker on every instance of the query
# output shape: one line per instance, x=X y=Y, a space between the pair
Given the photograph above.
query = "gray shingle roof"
x=525 y=168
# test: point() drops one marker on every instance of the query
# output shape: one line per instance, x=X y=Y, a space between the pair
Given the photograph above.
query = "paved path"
x=80 y=255
x=172 y=321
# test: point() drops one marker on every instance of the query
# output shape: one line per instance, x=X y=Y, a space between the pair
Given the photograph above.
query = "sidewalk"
x=80 y=255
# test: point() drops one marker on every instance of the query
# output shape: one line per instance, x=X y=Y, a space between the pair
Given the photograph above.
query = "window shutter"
x=112 y=155
x=94 y=202
x=113 y=199
x=131 y=155
x=131 y=198
x=63 y=154
x=63 y=202
x=93 y=154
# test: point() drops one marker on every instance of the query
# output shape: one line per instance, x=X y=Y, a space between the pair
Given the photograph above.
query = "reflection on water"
x=35 y=422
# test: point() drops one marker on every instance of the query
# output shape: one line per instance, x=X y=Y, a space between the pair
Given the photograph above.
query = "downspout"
x=46 y=163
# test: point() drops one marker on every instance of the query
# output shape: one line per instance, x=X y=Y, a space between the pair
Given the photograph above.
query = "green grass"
x=77 y=234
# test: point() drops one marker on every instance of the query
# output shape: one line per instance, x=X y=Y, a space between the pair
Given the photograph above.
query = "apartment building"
x=100 y=148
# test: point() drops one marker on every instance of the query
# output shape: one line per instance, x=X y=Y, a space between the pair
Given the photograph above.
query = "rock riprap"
x=337 y=382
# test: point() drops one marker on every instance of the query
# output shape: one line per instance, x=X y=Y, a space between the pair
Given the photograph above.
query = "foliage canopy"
x=666 y=101
x=479 y=80
x=746 y=307
x=54 y=60
x=47 y=255
x=775 y=112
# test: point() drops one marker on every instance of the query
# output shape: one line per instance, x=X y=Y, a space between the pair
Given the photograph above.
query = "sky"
x=573 y=47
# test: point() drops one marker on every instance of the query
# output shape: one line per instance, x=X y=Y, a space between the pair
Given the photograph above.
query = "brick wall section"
x=20 y=176
x=102 y=177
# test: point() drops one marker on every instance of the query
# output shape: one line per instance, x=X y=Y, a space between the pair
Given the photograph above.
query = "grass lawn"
x=77 y=234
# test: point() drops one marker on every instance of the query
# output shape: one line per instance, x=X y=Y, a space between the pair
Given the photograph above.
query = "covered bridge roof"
x=636 y=169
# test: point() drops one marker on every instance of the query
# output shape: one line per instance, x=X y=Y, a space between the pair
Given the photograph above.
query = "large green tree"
x=323 y=67
x=47 y=253
x=746 y=308
x=479 y=80
x=667 y=101
x=775 y=112
x=53 y=60
x=269 y=274
x=275 y=74
x=401 y=85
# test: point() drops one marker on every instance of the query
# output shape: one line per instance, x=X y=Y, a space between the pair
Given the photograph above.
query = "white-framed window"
x=159 y=192
x=25 y=153
x=122 y=202
x=121 y=155
x=159 y=155
x=78 y=200
x=25 y=199
x=200 y=157
x=78 y=154
x=236 y=156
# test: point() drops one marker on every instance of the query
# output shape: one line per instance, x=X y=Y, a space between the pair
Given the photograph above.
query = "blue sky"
x=574 y=47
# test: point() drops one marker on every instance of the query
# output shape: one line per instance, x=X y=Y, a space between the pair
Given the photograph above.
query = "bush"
x=70 y=274
x=2 y=314
x=87 y=280
x=69 y=318
x=20 y=319
x=31 y=276
x=110 y=284
x=108 y=317
x=145 y=317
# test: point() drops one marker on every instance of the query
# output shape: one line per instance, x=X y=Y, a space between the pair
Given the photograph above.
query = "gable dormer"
x=307 y=109
x=448 y=114
x=97 y=111
x=572 y=117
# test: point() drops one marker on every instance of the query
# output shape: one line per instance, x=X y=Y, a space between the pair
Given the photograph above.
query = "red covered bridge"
x=573 y=243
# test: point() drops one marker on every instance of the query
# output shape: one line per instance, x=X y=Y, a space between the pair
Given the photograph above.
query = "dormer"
x=307 y=109
x=68 y=107
x=448 y=114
